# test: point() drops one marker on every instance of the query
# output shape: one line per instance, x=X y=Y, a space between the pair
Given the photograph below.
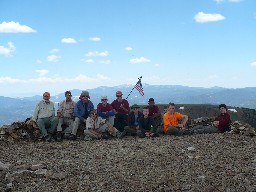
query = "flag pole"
x=133 y=88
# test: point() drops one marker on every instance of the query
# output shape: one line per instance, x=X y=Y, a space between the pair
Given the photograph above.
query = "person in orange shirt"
x=174 y=122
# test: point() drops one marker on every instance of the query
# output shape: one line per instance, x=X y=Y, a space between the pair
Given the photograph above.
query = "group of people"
x=116 y=119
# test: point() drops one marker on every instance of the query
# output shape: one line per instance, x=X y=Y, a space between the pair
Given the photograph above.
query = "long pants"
x=103 y=128
x=200 y=129
x=47 y=125
x=172 y=130
x=76 y=124
x=66 y=122
x=141 y=133
x=120 y=121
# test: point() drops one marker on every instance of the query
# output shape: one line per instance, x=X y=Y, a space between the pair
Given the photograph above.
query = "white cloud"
x=14 y=27
x=87 y=60
x=231 y=1
x=54 y=51
x=68 y=40
x=38 y=61
x=128 y=48
x=95 y=39
x=218 y=1
x=96 y=53
x=42 y=72
x=53 y=58
x=235 y=1
x=7 y=51
x=157 y=65
x=105 y=62
x=99 y=78
x=253 y=64
x=140 y=60
x=202 y=17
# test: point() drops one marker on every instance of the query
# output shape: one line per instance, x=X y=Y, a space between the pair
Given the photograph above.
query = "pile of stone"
x=20 y=130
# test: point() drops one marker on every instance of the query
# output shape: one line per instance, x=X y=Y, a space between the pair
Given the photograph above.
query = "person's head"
x=46 y=96
x=84 y=96
x=94 y=114
x=223 y=108
x=145 y=112
x=151 y=102
x=104 y=100
x=135 y=108
x=68 y=95
x=171 y=108
x=119 y=95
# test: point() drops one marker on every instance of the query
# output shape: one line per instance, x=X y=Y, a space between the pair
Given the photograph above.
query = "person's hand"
x=181 y=125
x=34 y=124
x=151 y=134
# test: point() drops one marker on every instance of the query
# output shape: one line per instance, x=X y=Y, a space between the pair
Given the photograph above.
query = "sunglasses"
x=95 y=114
x=68 y=95
x=103 y=99
x=118 y=95
x=85 y=96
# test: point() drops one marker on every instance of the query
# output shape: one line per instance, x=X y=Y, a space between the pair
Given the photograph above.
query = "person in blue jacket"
x=82 y=110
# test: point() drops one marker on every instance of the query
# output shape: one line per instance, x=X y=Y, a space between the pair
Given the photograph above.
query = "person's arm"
x=77 y=112
x=36 y=112
x=181 y=125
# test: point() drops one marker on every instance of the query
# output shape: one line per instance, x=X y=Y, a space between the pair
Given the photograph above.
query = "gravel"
x=208 y=162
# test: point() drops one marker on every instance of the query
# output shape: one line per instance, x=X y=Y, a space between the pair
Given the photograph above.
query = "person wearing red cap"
x=122 y=109
x=44 y=117
x=65 y=114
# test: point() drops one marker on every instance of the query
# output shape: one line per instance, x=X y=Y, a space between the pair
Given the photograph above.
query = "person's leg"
x=88 y=134
x=200 y=129
x=111 y=120
x=70 y=124
x=141 y=133
x=41 y=126
x=53 y=122
x=61 y=122
x=172 y=130
x=75 y=126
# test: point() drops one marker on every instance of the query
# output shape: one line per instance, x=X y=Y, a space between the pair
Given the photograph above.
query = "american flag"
x=138 y=86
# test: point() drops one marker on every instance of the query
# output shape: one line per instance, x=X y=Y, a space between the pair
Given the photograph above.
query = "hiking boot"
x=106 y=136
x=87 y=138
x=72 y=137
x=59 y=136
x=121 y=135
x=49 y=138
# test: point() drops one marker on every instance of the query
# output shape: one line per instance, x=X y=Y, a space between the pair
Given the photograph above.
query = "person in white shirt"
x=44 y=117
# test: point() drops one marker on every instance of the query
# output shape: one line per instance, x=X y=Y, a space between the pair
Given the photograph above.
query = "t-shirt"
x=171 y=119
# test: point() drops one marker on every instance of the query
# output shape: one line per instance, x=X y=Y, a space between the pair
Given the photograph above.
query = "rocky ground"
x=216 y=162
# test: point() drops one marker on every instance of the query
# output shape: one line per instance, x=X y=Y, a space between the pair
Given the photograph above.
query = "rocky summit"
x=208 y=162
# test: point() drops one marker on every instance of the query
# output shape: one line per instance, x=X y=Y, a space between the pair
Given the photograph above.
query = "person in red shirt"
x=121 y=108
x=105 y=110
x=154 y=111
x=220 y=124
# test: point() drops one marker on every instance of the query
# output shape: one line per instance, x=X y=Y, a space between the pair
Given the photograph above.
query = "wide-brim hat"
x=135 y=106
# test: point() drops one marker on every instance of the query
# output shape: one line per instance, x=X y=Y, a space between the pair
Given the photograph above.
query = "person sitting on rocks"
x=65 y=114
x=105 y=110
x=133 y=121
x=154 y=111
x=98 y=128
x=221 y=123
x=147 y=125
x=174 y=122
x=44 y=117
x=82 y=110
x=121 y=108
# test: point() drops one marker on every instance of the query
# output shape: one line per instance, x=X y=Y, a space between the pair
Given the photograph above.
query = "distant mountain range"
x=18 y=109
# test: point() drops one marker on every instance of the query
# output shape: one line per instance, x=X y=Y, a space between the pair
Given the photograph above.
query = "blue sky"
x=59 y=45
